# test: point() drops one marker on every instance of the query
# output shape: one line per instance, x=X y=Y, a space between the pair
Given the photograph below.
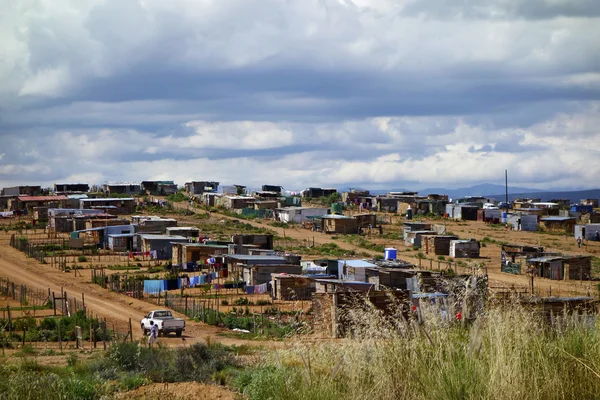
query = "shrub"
x=82 y=258
x=224 y=303
x=242 y=301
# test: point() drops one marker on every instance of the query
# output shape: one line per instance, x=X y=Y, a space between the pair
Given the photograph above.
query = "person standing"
x=579 y=241
x=153 y=338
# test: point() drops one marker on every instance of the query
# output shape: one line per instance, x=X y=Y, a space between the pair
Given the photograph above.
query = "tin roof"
x=246 y=257
x=357 y=263
x=557 y=219
x=42 y=198
x=162 y=237
x=108 y=199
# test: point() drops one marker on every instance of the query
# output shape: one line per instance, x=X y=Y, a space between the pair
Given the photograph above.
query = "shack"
x=462 y=212
x=298 y=214
x=489 y=216
x=522 y=222
x=121 y=188
x=415 y=238
x=562 y=267
x=367 y=220
x=200 y=187
x=354 y=270
x=292 y=287
x=184 y=253
x=159 y=246
x=159 y=188
x=185 y=231
x=464 y=248
x=115 y=205
x=437 y=244
x=587 y=232
x=558 y=224
x=333 y=223
x=260 y=241
x=401 y=278
x=153 y=225
x=70 y=188
x=30 y=202
x=121 y=242
x=256 y=270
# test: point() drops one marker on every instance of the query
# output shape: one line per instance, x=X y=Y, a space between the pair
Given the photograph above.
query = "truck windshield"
x=162 y=314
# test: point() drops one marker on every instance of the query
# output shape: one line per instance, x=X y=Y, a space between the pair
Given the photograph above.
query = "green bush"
x=242 y=301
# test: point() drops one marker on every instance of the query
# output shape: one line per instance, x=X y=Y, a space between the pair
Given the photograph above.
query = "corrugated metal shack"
x=587 y=232
x=562 y=267
x=464 y=248
x=437 y=244
x=342 y=224
x=415 y=238
x=462 y=212
x=558 y=224
x=292 y=287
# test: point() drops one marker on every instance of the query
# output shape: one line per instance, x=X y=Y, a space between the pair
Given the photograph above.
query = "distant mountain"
x=497 y=192
x=572 y=196
x=484 y=189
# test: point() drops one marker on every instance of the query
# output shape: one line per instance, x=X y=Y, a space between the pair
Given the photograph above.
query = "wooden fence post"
x=59 y=336
x=130 y=330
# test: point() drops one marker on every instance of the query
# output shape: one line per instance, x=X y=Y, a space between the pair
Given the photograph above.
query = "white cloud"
x=317 y=92
x=232 y=135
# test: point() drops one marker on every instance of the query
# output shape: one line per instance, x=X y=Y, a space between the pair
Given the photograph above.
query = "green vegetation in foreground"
x=125 y=366
x=508 y=354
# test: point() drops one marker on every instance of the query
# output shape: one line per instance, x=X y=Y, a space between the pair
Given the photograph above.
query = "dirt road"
x=116 y=308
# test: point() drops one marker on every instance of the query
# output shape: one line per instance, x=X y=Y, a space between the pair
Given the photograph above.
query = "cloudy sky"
x=371 y=93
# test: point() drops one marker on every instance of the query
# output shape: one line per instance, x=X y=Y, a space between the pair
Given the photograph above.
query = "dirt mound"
x=179 y=391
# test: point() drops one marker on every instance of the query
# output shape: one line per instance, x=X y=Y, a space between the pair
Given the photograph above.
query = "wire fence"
x=32 y=308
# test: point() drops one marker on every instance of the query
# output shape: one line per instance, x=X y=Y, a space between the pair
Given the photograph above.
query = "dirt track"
x=116 y=308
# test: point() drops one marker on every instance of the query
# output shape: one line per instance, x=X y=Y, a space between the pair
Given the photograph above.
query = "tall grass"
x=508 y=353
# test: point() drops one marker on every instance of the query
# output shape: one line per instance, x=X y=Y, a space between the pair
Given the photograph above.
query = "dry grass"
x=508 y=353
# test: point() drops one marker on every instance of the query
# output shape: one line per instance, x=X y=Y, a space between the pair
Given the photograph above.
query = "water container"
x=337 y=208
x=390 y=253
x=504 y=217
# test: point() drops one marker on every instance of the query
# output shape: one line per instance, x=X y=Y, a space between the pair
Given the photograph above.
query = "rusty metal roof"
x=42 y=198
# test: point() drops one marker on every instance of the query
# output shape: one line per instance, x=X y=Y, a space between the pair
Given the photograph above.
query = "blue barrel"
x=504 y=217
x=390 y=253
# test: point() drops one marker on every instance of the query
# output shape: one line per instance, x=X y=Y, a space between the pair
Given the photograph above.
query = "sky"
x=335 y=93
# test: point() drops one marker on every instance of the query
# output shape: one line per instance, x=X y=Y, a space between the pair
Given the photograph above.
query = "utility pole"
x=506 y=189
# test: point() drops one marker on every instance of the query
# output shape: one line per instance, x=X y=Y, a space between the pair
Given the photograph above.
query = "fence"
x=25 y=296
x=62 y=305
x=445 y=266
x=270 y=321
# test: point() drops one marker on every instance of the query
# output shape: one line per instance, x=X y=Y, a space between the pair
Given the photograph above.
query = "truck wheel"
x=144 y=331
x=178 y=333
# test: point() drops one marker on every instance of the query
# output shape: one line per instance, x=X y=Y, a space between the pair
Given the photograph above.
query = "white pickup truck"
x=165 y=321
